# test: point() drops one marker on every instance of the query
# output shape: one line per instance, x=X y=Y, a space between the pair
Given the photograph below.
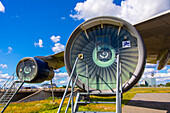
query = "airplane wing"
x=155 y=32
x=55 y=61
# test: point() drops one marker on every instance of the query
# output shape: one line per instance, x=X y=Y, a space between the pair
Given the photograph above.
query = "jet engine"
x=33 y=70
x=99 y=41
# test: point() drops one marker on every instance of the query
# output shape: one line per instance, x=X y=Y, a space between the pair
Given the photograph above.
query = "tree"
x=64 y=86
x=167 y=84
x=160 y=85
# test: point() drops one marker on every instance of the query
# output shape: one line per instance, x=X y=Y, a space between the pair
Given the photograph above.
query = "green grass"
x=47 y=106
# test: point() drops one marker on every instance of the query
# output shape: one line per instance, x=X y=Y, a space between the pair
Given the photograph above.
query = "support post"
x=87 y=74
x=52 y=90
x=118 y=96
x=72 y=102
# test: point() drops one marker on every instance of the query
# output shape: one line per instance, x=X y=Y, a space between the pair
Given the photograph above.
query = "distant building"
x=33 y=87
x=143 y=82
x=48 y=85
x=149 y=81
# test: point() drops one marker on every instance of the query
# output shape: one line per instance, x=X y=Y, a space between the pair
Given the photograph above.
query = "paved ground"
x=148 y=103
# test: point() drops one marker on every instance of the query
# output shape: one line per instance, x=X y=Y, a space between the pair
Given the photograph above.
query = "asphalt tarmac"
x=148 y=103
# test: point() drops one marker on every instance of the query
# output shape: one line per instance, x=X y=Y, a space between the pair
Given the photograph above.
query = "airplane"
x=155 y=33
x=101 y=48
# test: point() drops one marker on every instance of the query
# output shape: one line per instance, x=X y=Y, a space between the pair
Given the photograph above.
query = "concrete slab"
x=148 y=103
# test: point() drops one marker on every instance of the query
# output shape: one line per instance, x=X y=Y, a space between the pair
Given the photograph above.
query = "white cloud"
x=57 y=70
x=149 y=70
x=40 y=43
x=55 y=39
x=61 y=78
x=2 y=8
x=165 y=68
x=151 y=65
x=58 y=47
x=63 y=18
x=2 y=80
x=10 y=49
x=58 y=76
x=130 y=10
x=168 y=70
x=64 y=82
x=4 y=76
x=3 y=65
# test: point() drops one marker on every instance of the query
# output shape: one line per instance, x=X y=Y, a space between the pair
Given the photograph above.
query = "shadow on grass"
x=124 y=101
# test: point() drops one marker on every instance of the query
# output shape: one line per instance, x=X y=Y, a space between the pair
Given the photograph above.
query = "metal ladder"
x=9 y=89
x=74 y=106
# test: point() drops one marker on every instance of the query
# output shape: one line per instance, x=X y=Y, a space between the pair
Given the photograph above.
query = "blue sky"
x=39 y=27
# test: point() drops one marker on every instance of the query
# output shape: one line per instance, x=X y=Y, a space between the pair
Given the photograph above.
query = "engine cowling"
x=33 y=70
x=99 y=40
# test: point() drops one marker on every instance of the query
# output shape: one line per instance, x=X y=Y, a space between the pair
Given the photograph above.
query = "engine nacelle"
x=99 y=40
x=33 y=70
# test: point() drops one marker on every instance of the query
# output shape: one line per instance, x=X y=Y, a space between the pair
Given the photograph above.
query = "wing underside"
x=156 y=35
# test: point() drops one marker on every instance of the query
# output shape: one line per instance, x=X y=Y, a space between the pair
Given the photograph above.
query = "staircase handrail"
x=3 y=86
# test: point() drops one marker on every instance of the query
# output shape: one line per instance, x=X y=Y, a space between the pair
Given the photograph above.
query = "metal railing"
x=74 y=106
x=73 y=86
x=9 y=89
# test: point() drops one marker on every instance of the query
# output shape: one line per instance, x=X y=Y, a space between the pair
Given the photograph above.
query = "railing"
x=8 y=82
x=73 y=86
x=74 y=106
x=9 y=89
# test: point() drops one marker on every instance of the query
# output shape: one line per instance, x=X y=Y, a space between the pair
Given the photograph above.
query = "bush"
x=142 y=85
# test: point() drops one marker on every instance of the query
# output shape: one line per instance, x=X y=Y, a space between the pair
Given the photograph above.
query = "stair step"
x=92 y=112
x=95 y=102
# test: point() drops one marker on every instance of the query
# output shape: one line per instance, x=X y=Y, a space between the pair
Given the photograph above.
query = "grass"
x=47 y=106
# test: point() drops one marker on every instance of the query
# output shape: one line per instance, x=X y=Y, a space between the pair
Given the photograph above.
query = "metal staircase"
x=75 y=105
x=9 y=89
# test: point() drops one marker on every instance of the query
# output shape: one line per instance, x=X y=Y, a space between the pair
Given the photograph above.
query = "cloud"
x=61 y=78
x=4 y=76
x=10 y=49
x=149 y=70
x=165 y=68
x=58 y=47
x=168 y=70
x=40 y=43
x=3 y=65
x=63 y=18
x=58 y=76
x=130 y=10
x=55 y=39
x=2 y=8
x=57 y=70
x=150 y=65
x=64 y=82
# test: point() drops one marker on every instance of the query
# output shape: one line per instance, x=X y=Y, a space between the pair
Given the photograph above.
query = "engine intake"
x=33 y=70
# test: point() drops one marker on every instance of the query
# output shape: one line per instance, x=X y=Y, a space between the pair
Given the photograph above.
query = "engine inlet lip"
x=24 y=59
